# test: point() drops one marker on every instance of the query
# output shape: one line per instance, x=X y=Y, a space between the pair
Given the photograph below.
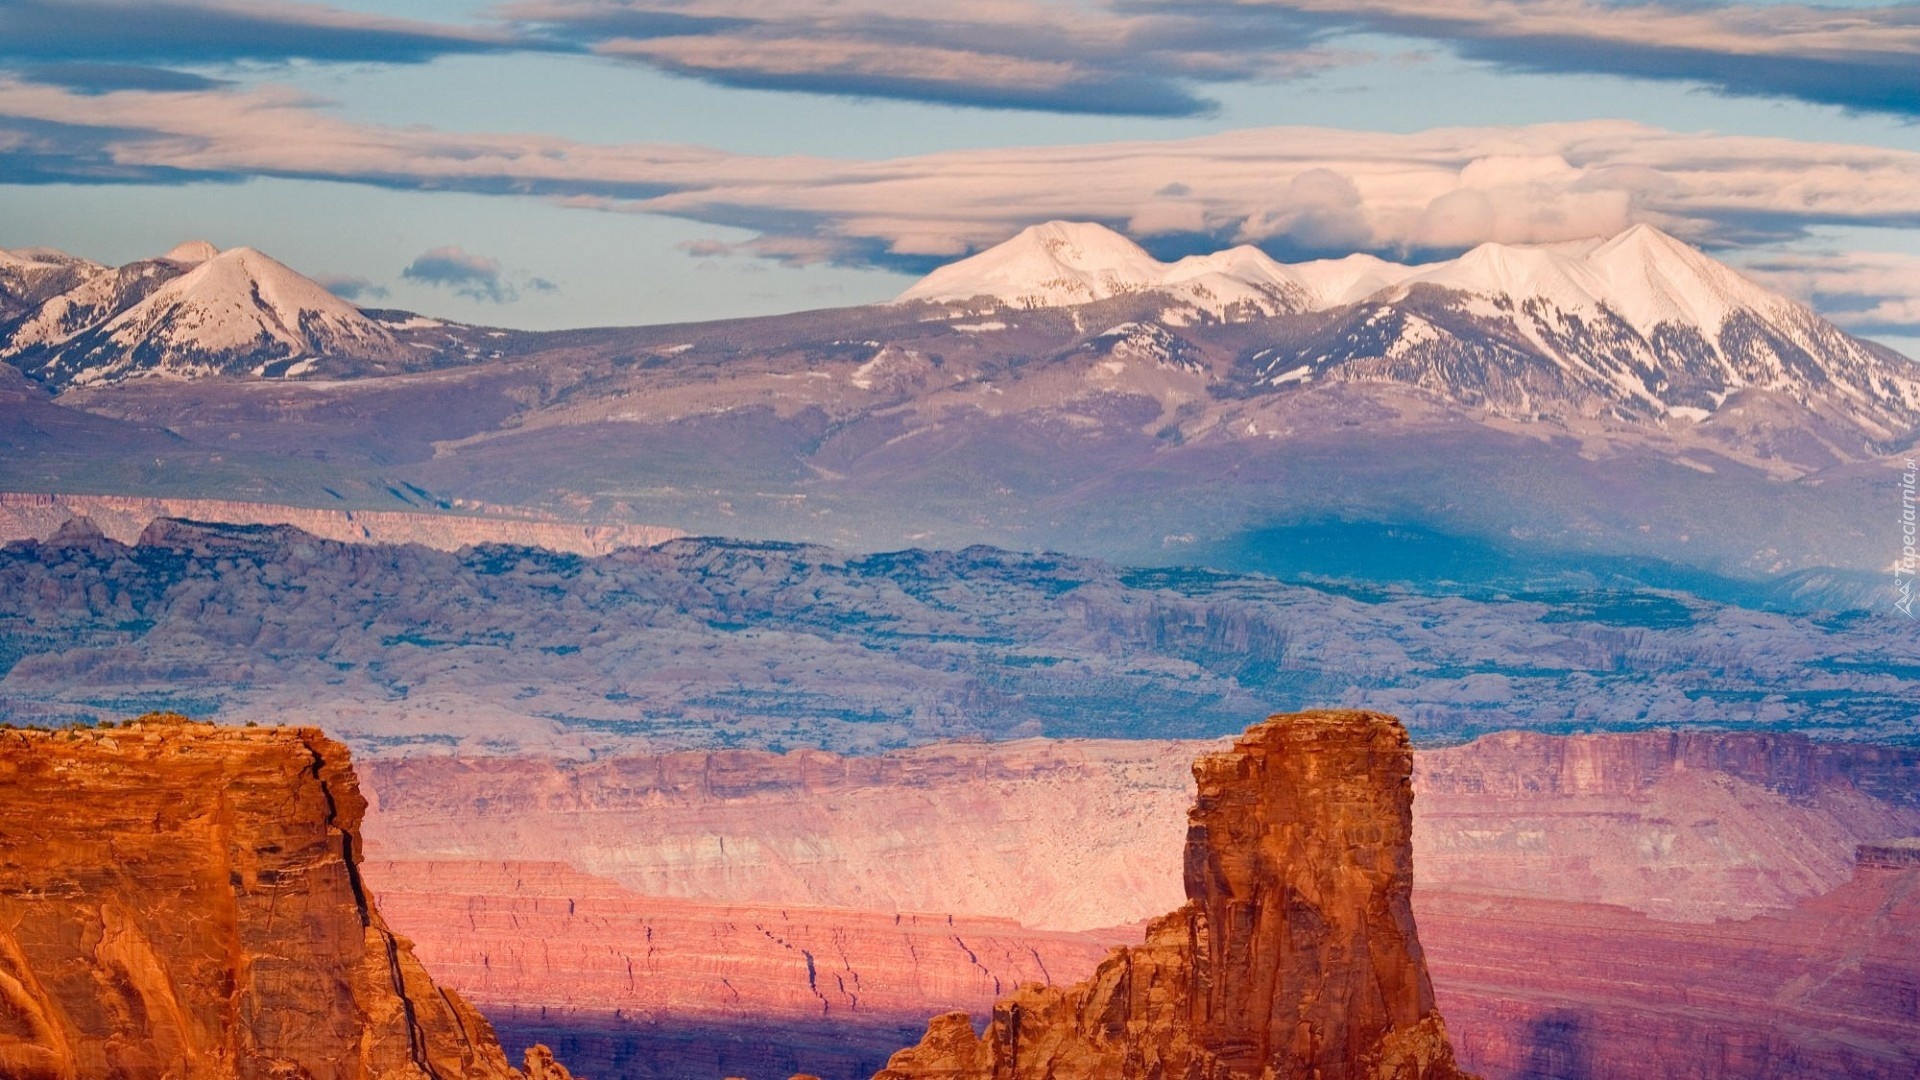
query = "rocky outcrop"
x=1890 y=854
x=180 y=900
x=1295 y=955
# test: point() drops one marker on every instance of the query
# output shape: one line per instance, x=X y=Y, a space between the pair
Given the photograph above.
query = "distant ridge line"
x=38 y=515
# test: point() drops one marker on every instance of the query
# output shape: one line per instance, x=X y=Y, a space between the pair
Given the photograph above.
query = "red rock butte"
x=181 y=900
x=1295 y=955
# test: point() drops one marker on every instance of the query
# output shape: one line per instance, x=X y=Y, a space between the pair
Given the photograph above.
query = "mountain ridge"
x=194 y=312
x=1638 y=324
x=1652 y=276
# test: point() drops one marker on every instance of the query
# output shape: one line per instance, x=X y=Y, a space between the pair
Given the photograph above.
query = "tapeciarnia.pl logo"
x=1903 y=568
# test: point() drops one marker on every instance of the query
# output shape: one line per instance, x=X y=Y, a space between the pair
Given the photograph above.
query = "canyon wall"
x=1653 y=851
x=1084 y=834
x=185 y=901
x=1550 y=990
x=1295 y=955
x=629 y=985
x=32 y=516
x=1055 y=835
x=1691 y=826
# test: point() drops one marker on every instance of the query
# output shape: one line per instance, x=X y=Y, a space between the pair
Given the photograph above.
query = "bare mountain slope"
x=1537 y=409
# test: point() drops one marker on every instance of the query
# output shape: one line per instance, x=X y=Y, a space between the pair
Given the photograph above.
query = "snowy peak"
x=1652 y=278
x=195 y=311
x=41 y=258
x=1643 y=276
x=1336 y=283
x=1056 y=264
x=1523 y=273
x=1062 y=263
x=191 y=252
x=241 y=301
x=1638 y=326
x=30 y=276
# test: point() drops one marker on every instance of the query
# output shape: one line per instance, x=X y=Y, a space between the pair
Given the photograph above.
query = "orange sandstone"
x=181 y=900
x=1295 y=955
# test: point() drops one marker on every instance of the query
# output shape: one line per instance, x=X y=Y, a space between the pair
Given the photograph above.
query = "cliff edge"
x=183 y=900
x=1295 y=955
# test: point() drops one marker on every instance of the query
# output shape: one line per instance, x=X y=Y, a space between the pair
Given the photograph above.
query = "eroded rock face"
x=1294 y=956
x=185 y=901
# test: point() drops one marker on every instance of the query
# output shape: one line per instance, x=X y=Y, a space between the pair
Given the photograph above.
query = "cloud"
x=1296 y=187
x=94 y=78
x=351 y=287
x=1860 y=58
x=1294 y=191
x=1868 y=292
x=475 y=276
x=1155 y=57
x=1120 y=57
x=212 y=31
x=1006 y=54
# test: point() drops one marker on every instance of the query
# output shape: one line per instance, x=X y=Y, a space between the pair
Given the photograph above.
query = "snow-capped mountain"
x=29 y=277
x=1062 y=263
x=1051 y=265
x=1643 y=275
x=1638 y=325
x=194 y=311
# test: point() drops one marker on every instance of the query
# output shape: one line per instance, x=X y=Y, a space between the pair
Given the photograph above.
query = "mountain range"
x=1638 y=325
x=1621 y=410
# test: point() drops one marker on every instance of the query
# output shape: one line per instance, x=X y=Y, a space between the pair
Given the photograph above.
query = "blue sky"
x=551 y=163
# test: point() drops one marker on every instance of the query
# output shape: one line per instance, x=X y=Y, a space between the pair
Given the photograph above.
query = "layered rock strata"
x=534 y=934
x=1086 y=834
x=1294 y=956
x=185 y=901
x=35 y=516
x=1549 y=989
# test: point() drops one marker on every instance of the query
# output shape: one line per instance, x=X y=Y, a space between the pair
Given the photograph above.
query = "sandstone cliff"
x=1612 y=854
x=1294 y=956
x=185 y=901
x=1084 y=834
x=33 y=516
